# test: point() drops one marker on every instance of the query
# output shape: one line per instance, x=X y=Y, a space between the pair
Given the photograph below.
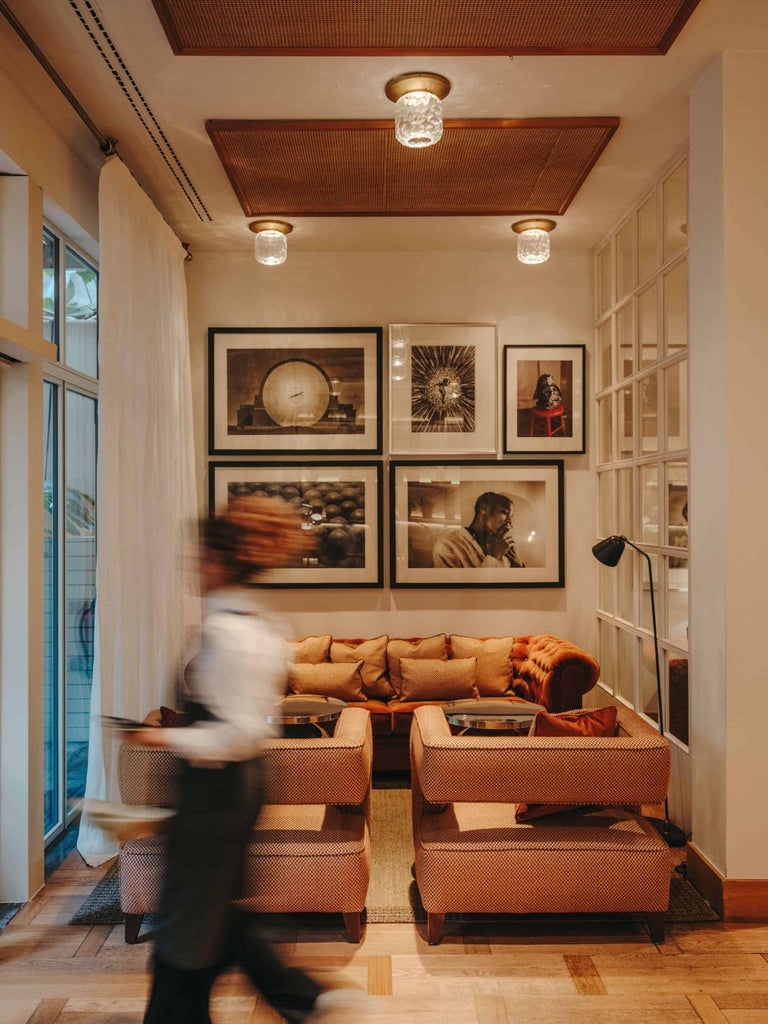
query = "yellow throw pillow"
x=374 y=655
x=341 y=681
x=434 y=679
x=494 y=665
x=429 y=647
x=311 y=650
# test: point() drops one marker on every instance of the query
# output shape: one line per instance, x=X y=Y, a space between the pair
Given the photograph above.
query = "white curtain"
x=146 y=609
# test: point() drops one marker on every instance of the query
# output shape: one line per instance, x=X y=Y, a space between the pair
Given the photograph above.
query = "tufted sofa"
x=390 y=677
x=476 y=853
x=311 y=847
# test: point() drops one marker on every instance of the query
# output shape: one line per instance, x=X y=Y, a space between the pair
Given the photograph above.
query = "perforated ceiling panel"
x=483 y=167
x=229 y=27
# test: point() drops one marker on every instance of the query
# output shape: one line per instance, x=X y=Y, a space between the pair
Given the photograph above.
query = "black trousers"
x=201 y=934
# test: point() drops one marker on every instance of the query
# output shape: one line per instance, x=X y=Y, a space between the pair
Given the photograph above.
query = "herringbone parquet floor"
x=595 y=973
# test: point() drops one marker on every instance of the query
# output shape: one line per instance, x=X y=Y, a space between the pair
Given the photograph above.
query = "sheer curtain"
x=146 y=611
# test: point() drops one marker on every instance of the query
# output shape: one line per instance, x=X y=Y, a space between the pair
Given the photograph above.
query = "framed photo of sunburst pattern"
x=442 y=388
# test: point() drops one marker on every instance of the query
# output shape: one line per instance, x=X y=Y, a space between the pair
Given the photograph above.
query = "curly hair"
x=255 y=534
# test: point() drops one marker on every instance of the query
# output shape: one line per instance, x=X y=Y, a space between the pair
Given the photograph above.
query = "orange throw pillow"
x=597 y=722
x=592 y=722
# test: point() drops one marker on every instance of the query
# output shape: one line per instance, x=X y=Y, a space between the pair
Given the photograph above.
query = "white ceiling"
x=649 y=94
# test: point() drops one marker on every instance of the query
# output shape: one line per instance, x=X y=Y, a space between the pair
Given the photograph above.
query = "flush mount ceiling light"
x=533 y=240
x=417 y=97
x=271 y=246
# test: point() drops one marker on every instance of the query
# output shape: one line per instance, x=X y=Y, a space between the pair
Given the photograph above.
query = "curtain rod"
x=107 y=145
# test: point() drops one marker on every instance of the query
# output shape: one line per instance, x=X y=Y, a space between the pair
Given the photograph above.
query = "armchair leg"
x=132 y=927
x=354 y=926
x=434 y=928
x=656 y=925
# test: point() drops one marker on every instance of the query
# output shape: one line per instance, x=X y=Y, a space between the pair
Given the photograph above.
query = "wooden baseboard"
x=735 y=899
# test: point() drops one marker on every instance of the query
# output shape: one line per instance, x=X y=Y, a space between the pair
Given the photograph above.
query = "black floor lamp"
x=609 y=551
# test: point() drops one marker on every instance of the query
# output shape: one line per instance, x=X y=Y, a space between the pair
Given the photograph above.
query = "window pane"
x=625 y=485
x=626 y=423
x=647 y=249
x=624 y=478
x=80 y=581
x=51 y=809
x=50 y=287
x=625 y=277
x=607 y=656
x=646 y=615
x=604 y=297
x=625 y=340
x=649 y=413
x=604 y=428
x=675 y=198
x=627 y=669
x=649 y=697
x=82 y=315
x=676 y=393
x=677 y=718
x=626 y=583
x=649 y=482
x=604 y=358
x=677 y=601
x=677 y=506
x=607 y=525
x=606 y=583
x=676 y=309
x=648 y=326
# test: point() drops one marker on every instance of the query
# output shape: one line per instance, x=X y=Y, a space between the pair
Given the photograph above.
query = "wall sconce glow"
x=533 y=240
x=417 y=96
x=271 y=246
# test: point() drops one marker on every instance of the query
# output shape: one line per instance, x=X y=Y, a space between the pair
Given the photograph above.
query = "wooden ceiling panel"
x=356 y=27
x=357 y=168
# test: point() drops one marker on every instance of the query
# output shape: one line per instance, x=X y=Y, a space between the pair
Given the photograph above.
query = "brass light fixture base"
x=417 y=81
x=271 y=225
x=530 y=225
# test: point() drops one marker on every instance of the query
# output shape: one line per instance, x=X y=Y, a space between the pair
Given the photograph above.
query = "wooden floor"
x=590 y=973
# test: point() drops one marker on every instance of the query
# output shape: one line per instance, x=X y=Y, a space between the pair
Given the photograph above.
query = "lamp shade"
x=271 y=246
x=610 y=550
x=418 y=108
x=533 y=239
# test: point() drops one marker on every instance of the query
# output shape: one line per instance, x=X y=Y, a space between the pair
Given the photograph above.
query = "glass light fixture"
x=533 y=240
x=271 y=246
x=398 y=351
x=417 y=96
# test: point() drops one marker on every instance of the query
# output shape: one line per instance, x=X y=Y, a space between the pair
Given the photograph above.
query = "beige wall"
x=550 y=304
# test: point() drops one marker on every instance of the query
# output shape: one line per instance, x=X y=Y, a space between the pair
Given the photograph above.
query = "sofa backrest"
x=629 y=768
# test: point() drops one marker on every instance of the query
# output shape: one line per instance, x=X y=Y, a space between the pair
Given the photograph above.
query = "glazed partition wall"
x=642 y=449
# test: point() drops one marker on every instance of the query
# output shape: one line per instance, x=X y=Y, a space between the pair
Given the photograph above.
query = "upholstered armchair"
x=311 y=850
x=472 y=855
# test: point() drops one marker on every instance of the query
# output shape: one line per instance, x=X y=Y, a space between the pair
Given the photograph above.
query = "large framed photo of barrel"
x=340 y=506
x=294 y=391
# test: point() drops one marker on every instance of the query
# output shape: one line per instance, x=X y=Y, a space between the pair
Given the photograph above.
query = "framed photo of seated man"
x=477 y=524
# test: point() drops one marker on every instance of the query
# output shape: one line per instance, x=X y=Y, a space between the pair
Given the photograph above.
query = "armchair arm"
x=148 y=775
x=553 y=672
x=630 y=768
x=326 y=770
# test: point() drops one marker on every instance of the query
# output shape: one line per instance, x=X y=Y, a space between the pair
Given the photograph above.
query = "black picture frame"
x=544 y=399
x=432 y=504
x=294 y=391
x=349 y=550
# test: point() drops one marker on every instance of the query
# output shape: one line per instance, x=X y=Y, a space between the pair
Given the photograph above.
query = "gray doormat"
x=393 y=897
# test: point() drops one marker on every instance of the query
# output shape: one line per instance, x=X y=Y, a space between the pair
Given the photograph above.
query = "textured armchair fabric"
x=473 y=856
x=310 y=850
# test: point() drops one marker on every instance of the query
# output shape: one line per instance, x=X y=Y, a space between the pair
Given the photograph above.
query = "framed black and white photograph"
x=340 y=505
x=477 y=524
x=442 y=388
x=544 y=399
x=310 y=390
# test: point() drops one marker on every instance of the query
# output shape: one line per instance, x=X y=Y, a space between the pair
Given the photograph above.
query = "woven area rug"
x=393 y=896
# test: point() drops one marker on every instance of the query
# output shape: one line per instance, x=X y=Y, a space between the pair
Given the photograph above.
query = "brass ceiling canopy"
x=417 y=81
x=384 y=27
x=271 y=225
x=534 y=225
